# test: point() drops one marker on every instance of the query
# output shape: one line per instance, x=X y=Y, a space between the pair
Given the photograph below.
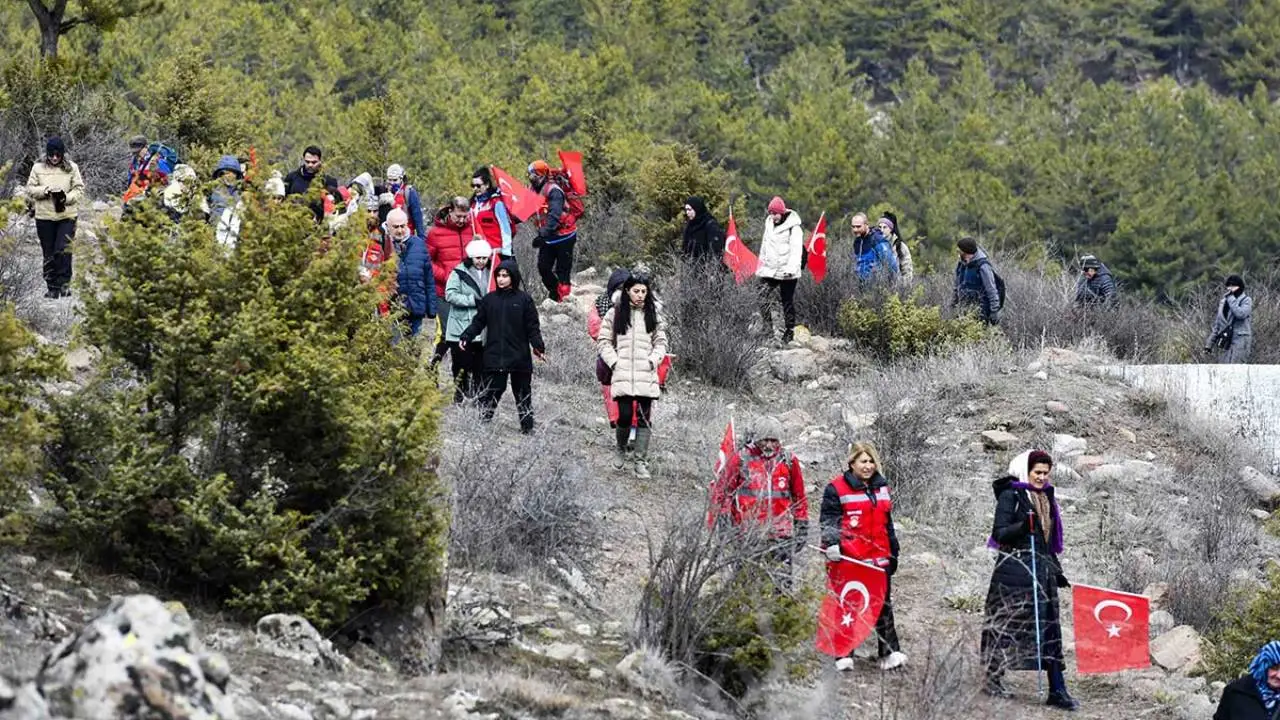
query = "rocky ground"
x=557 y=641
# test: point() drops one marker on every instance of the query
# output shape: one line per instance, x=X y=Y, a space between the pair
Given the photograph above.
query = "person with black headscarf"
x=55 y=189
x=703 y=238
x=1232 y=330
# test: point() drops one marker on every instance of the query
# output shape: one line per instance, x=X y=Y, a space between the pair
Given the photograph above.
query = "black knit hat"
x=54 y=146
x=967 y=245
x=1235 y=280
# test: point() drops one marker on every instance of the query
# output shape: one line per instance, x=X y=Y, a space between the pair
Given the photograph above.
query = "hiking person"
x=509 y=320
x=557 y=232
x=1021 y=628
x=633 y=342
x=274 y=185
x=176 y=198
x=703 y=239
x=55 y=189
x=489 y=217
x=139 y=162
x=1232 y=330
x=224 y=204
x=976 y=282
x=762 y=488
x=1255 y=696
x=405 y=197
x=414 y=279
x=888 y=225
x=873 y=257
x=298 y=182
x=468 y=282
x=595 y=317
x=856 y=521
x=1095 y=288
x=781 y=252
x=447 y=243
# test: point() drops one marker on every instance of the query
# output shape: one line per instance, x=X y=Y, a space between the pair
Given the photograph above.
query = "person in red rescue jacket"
x=763 y=485
x=857 y=522
x=447 y=245
x=557 y=231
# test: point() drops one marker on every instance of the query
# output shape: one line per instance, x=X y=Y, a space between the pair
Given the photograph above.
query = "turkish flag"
x=855 y=596
x=493 y=271
x=571 y=161
x=1111 y=630
x=817 y=248
x=727 y=447
x=522 y=202
x=738 y=257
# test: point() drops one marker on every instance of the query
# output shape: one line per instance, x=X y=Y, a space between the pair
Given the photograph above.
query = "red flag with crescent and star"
x=817 y=249
x=1111 y=630
x=855 y=595
x=738 y=257
x=522 y=202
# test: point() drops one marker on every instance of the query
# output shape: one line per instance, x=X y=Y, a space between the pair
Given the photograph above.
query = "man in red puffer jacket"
x=446 y=244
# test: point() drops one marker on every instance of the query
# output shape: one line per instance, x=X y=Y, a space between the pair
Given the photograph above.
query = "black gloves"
x=538 y=241
x=1062 y=581
x=59 y=199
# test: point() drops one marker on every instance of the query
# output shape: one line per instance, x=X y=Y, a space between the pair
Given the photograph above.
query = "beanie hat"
x=55 y=146
x=1089 y=261
x=137 y=142
x=967 y=245
x=274 y=185
x=395 y=172
x=539 y=167
x=767 y=428
x=1038 y=457
x=777 y=207
x=1235 y=280
x=478 y=249
x=228 y=163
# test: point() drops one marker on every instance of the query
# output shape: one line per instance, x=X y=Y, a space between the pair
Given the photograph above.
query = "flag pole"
x=847 y=558
x=1035 y=601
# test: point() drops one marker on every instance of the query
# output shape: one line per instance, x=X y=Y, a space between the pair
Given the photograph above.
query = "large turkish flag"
x=817 y=250
x=738 y=257
x=522 y=202
x=855 y=595
x=1111 y=630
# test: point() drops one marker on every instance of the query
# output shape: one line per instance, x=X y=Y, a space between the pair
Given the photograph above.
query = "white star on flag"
x=847 y=620
x=1113 y=631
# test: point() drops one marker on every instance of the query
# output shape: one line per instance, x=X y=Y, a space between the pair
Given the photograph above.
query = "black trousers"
x=442 y=317
x=786 y=290
x=632 y=408
x=555 y=265
x=55 y=243
x=466 y=367
x=495 y=384
x=886 y=632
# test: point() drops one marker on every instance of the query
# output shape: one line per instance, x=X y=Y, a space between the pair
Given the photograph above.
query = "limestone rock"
x=294 y=638
x=1262 y=487
x=41 y=623
x=1042 y=375
x=999 y=440
x=1177 y=650
x=1195 y=706
x=1087 y=463
x=567 y=651
x=855 y=421
x=1260 y=514
x=289 y=711
x=794 y=365
x=138 y=659
x=1064 y=444
x=1161 y=622
x=801 y=334
x=1057 y=407
x=21 y=702
x=82 y=359
x=1127 y=434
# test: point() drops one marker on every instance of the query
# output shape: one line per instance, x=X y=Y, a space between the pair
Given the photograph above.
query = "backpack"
x=572 y=200
x=163 y=158
x=999 y=286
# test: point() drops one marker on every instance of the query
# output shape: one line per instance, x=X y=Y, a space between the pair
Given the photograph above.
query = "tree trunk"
x=49 y=41
x=50 y=21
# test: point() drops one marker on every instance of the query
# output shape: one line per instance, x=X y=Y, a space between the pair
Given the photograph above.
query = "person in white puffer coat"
x=633 y=342
x=781 y=253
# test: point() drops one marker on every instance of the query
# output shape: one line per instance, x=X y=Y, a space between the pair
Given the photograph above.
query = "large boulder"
x=999 y=440
x=1064 y=444
x=1262 y=487
x=294 y=638
x=140 y=658
x=794 y=365
x=1177 y=650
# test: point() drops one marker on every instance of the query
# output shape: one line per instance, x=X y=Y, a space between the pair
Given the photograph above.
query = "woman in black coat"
x=703 y=238
x=1027 y=531
x=1255 y=696
x=510 y=320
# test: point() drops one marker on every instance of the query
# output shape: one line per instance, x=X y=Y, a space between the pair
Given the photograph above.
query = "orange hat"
x=539 y=167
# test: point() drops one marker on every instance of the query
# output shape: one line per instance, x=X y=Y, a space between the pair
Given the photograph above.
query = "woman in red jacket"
x=857 y=522
x=447 y=245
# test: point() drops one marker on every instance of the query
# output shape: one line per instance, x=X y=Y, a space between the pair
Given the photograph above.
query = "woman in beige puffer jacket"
x=633 y=341
x=55 y=189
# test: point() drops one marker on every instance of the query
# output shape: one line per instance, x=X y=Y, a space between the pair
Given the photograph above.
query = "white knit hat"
x=478 y=249
x=395 y=172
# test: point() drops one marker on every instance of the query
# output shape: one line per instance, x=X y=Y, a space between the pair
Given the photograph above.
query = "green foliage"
x=906 y=327
x=191 y=108
x=259 y=436
x=664 y=180
x=1240 y=629
x=756 y=629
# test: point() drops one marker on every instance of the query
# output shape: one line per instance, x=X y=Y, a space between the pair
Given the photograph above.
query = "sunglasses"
x=477 y=185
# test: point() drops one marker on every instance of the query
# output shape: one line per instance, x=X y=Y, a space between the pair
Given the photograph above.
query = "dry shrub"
x=517 y=507
x=21 y=284
x=714 y=324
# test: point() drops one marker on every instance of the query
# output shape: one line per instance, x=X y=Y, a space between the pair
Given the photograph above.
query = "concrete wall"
x=1242 y=399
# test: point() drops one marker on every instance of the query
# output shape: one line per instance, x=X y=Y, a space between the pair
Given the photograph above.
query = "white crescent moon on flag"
x=1097 y=609
x=859 y=588
x=720 y=461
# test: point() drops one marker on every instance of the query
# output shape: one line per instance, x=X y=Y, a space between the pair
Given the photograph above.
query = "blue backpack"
x=165 y=158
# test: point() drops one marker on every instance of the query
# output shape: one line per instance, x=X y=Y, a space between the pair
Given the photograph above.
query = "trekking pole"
x=1035 y=600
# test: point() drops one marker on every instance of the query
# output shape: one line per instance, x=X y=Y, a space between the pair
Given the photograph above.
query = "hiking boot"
x=642 y=452
x=844 y=664
x=995 y=688
x=893 y=660
x=1062 y=701
x=619 y=460
x=563 y=291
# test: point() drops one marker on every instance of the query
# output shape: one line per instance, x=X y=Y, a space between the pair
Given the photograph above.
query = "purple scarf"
x=1055 y=542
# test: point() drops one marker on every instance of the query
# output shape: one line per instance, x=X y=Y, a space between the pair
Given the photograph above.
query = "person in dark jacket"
x=976 y=282
x=298 y=182
x=509 y=320
x=415 y=283
x=1255 y=696
x=1232 y=330
x=703 y=238
x=1027 y=532
x=1095 y=288
x=857 y=522
x=873 y=256
x=557 y=232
